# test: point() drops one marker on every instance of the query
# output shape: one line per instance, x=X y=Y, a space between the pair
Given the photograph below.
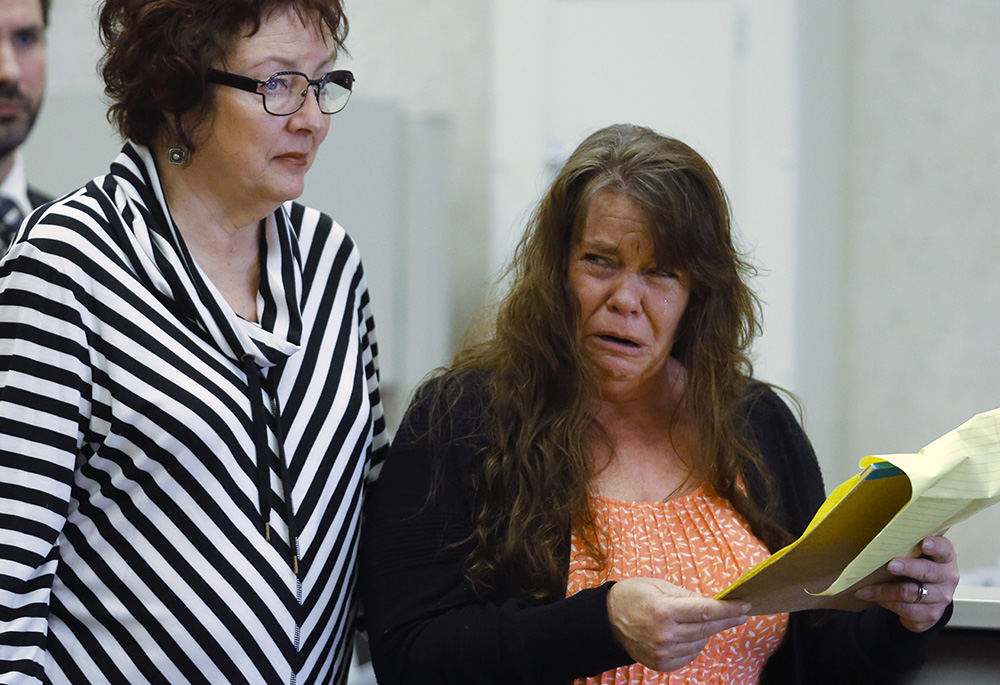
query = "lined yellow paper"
x=877 y=515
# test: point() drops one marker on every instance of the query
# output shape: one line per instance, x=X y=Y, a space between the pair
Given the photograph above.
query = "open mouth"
x=618 y=341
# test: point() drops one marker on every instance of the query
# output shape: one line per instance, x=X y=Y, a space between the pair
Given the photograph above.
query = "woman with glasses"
x=566 y=498
x=189 y=402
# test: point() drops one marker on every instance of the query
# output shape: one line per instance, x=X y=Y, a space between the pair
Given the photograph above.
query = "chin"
x=289 y=191
x=618 y=370
x=617 y=378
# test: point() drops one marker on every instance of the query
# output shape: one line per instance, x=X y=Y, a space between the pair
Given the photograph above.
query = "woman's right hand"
x=663 y=626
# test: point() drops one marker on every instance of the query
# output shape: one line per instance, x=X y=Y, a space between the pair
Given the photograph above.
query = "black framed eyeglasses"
x=285 y=92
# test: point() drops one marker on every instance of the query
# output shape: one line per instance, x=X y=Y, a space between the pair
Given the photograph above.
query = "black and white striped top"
x=150 y=439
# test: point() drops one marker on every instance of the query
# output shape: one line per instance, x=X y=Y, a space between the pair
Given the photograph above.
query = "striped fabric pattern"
x=132 y=548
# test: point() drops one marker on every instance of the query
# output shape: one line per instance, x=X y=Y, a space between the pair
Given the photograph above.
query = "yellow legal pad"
x=881 y=513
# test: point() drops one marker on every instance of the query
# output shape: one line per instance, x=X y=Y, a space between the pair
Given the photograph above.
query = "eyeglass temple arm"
x=343 y=78
x=224 y=78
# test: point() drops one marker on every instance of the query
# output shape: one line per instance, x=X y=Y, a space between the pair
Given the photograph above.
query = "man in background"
x=22 y=85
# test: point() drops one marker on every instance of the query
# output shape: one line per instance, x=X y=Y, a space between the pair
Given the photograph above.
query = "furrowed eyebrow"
x=599 y=246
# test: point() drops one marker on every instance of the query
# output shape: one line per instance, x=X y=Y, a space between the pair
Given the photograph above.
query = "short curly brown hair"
x=157 y=53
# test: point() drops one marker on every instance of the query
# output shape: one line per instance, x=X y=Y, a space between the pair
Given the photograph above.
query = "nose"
x=309 y=117
x=626 y=295
x=10 y=69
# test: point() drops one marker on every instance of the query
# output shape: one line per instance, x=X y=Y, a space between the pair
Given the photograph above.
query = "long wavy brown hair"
x=533 y=379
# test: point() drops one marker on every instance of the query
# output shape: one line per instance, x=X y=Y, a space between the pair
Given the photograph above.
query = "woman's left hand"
x=926 y=585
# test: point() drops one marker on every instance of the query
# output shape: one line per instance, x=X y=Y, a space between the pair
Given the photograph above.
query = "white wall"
x=432 y=58
x=821 y=111
x=921 y=241
x=72 y=116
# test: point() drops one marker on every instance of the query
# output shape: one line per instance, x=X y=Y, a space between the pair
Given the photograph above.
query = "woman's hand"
x=936 y=571
x=664 y=627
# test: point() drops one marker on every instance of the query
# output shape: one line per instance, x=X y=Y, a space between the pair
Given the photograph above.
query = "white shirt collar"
x=15 y=186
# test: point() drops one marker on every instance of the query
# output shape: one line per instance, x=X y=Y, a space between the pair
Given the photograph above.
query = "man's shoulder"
x=37 y=197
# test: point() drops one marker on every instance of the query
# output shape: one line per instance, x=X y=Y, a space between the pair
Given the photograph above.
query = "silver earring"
x=177 y=155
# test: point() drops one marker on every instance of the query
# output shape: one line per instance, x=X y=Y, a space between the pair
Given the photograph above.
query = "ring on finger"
x=921 y=593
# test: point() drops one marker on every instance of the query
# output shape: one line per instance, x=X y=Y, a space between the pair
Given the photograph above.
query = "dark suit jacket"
x=7 y=233
x=37 y=198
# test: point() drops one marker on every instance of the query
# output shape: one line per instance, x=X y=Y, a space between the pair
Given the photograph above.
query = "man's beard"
x=14 y=129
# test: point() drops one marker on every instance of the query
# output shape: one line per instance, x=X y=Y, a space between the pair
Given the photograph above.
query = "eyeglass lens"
x=285 y=93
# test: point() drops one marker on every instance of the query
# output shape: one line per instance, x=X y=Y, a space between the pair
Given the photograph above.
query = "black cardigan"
x=426 y=625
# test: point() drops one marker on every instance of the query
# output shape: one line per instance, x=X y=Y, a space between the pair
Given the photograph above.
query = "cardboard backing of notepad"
x=791 y=578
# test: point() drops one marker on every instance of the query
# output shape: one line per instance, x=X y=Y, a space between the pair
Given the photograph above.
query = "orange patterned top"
x=699 y=542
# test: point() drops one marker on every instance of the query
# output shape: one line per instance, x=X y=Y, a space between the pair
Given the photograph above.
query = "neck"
x=649 y=444
x=196 y=196
x=647 y=406
x=619 y=419
x=6 y=164
x=223 y=237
